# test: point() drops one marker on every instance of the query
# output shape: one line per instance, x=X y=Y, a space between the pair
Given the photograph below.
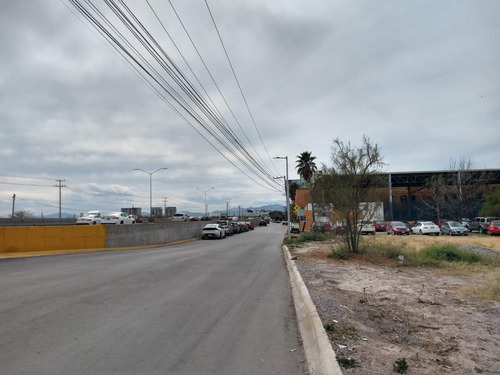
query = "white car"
x=92 y=218
x=180 y=217
x=118 y=218
x=366 y=227
x=425 y=227
x=213 y=231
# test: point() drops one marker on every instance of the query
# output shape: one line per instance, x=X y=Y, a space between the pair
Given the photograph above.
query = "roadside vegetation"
x=449 y=258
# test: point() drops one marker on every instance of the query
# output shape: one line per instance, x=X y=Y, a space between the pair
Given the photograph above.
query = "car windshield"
x=453 y=224
x=428 y=223
x=397 y=224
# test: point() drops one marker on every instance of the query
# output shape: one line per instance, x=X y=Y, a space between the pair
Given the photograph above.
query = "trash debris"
x=342 y=346
x=292 y=350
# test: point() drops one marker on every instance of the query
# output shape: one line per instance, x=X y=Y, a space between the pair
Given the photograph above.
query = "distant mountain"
x=250 y=211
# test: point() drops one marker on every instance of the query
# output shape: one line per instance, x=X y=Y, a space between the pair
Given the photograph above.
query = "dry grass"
x=418 y=242
x=489 y=289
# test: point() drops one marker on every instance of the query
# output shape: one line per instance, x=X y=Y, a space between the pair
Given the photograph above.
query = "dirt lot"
x=378 y=313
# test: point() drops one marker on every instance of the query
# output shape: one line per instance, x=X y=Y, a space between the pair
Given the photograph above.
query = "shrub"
x=439 y=254
x=400 y=365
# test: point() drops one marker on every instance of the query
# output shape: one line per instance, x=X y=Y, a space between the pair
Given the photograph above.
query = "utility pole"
x=287 y=188
x=60 y=186
x=13 y=204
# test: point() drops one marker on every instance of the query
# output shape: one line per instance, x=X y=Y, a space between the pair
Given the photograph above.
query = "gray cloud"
x=420 y=78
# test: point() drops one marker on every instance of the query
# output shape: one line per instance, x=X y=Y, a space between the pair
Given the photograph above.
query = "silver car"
x=453 y=228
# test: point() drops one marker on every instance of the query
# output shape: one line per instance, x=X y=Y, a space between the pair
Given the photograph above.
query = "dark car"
x=236 y=228
x=262 y=223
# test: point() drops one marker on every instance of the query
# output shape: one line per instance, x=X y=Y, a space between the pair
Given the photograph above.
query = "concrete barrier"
x=152 y=234
x=28 y=239
x=48 y=238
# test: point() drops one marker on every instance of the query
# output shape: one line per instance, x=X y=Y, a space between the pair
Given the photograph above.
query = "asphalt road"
x=205 y=307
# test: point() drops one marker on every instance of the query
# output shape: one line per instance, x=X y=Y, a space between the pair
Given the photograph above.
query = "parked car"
x=213 y=231
x=226 y=226
x=481 y=223
x=321 y=227
x=194 y=218
x=243 y=226
x=397 y=227
x=294 y=229
x=439 y=222
x=454 y=228
x=425 y=227
x=117 y=218
x=380 y=226
x=339 y=227
x=494 y=227
x=366 y=227
x=235 y=226
x=91 y=218
x=250 y=225
x=465 y=222
x=180 y=217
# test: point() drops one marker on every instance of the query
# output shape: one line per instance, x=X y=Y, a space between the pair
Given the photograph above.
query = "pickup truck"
x=481 y=223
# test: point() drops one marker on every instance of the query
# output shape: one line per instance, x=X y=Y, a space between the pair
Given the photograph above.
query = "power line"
x=234 y=147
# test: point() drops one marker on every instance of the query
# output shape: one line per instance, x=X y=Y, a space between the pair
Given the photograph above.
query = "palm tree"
x=306 y=165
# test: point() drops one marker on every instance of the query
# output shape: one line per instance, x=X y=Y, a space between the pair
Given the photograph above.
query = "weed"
x=347 y=362
x=339 y=253
x=400 y=365
x=329 y=326
x=438 y=255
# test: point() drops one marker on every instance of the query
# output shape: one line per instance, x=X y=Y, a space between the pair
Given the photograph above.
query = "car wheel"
x=481 y=230
x=449 y=233
x=373 y=233
x=420 y=232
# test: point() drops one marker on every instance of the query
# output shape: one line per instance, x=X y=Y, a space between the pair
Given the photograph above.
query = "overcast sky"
x=419 y=78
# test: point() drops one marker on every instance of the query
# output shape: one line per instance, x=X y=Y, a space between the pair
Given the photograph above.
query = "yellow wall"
x=46 y=238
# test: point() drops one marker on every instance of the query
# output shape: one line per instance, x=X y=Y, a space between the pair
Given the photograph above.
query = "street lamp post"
x=150 y=189
x=287 y=195
x=206 y=205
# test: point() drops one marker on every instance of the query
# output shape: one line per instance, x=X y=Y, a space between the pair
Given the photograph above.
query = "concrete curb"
x=320 y=357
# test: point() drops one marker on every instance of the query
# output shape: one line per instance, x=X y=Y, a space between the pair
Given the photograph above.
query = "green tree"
x=491 y=206
x=349 y=183
x=306 y=167
x=293 y=189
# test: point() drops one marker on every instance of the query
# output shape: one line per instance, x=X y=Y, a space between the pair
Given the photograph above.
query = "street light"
x=287 y=194
x=206 y=205
x=150 y=188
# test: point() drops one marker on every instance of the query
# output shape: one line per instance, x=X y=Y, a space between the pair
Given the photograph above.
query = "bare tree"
x=456 y=194
x=466 y=188
x=437 y=192
x=349 y=183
